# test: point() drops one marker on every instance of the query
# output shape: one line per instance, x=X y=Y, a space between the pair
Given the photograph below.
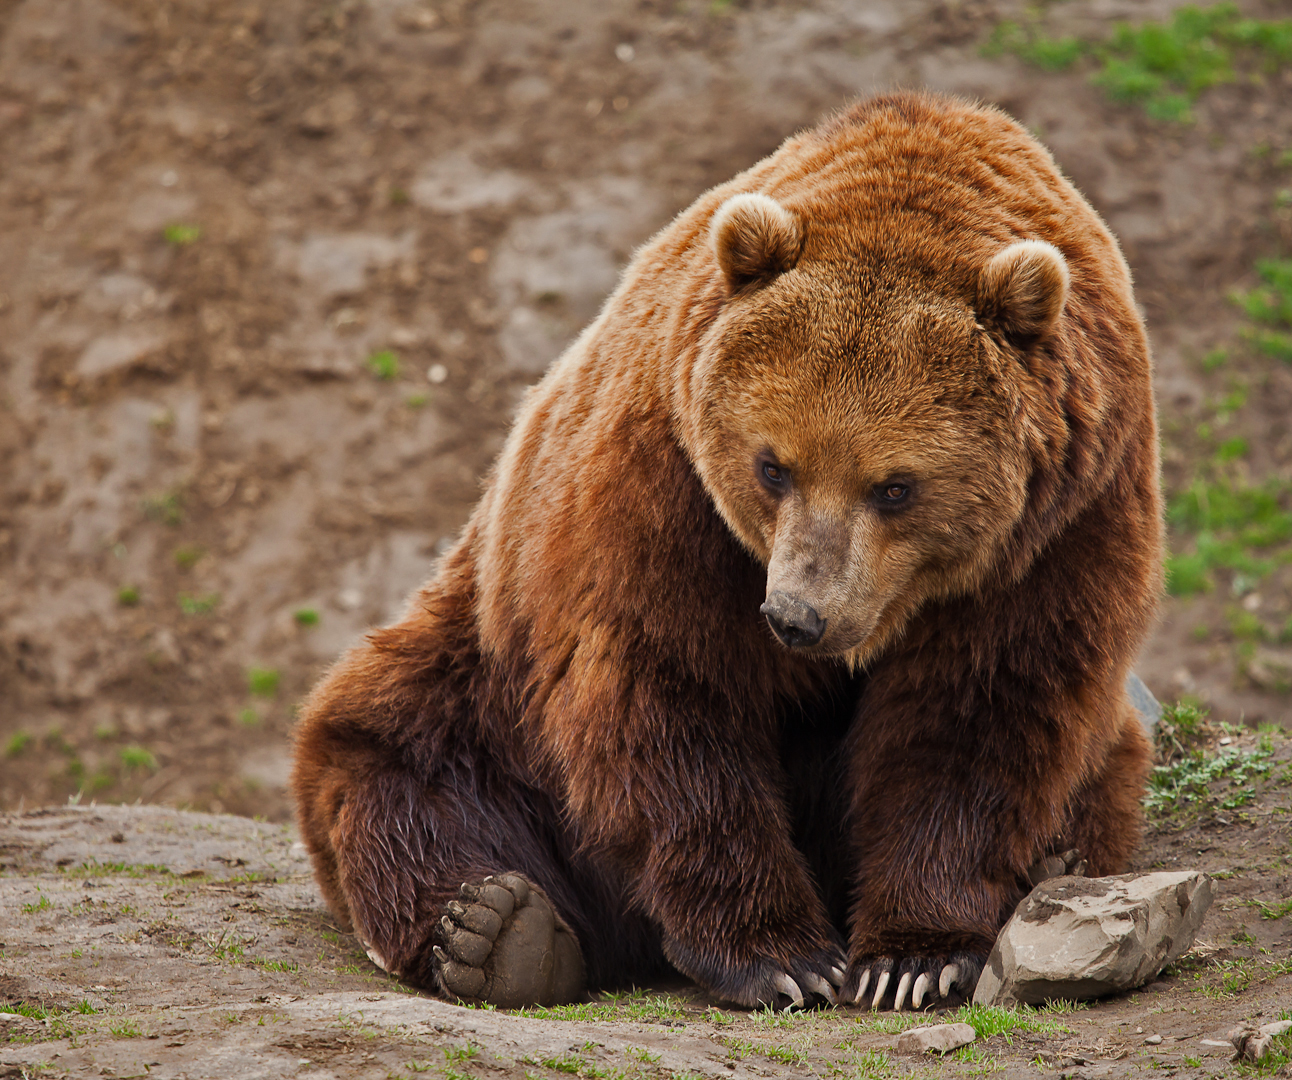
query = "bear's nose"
x=797 y=624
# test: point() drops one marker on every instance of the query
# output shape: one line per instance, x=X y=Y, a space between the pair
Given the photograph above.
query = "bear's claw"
x=916 y=977
x=787 y=986
x=504 y=943
x=820 y=986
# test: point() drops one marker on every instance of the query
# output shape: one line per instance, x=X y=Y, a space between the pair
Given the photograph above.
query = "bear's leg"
x=946 y=820
x=403 y=848
x=1107 y=814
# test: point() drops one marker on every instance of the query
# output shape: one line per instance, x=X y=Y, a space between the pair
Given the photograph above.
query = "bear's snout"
x=795 y=622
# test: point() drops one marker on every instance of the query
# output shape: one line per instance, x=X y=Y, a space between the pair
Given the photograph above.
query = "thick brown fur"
x=968 y=495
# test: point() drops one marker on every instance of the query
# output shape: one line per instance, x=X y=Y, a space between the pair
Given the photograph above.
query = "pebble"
x=1153 y=1040
x=939 y=1038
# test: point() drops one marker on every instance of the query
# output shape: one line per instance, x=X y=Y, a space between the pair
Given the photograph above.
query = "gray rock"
x=939 y=1038
x=1080 y=938
x=1141 y=697
x=1252 y=1043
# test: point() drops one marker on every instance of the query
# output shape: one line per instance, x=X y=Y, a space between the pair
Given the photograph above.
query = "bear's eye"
x=773 y=476
x=892 y=492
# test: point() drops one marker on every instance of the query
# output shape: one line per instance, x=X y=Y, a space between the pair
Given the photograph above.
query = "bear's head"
x=858 y=413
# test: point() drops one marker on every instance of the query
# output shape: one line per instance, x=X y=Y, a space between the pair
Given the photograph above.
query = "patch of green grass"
x=179 y=234
x=1243 y=529
x=417 y=400
x=1182 y=726
x=1281 y=910
x=198 y=605
x=18 y=742
x=1161 y=66
x=872 y=1065
x=986 y=1020
x=1026 y=41
x=122 y=869
x=461 y=1053
x=138 y=757
x=1215 y=359
x=263 y=682
x=127 y=1029
x=289 y=966
x=1232 y=449
x=1277 y=1060
x=128 y=596
x=1186 y=784
x=230 y=949
x=567 y=1063
x=634 y=1005
x=1244 y=625
x=248 y=717
x=1253 y=515
x=187 y=555
x=306 y=617
x=32 y=1012
x=1269 y=305
x=166 y=508
x=42 y=904
x=384 y=364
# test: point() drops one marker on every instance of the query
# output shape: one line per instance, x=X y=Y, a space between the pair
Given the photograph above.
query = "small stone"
x=1153 y=1040
x=938 y=1038
x=1081 y=938
x=316 y=120
x=1252 y=1043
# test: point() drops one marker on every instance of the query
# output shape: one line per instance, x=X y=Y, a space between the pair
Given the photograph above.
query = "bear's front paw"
x=797 y=983
x=505 y=944
x=803 y=985
x=888 y=982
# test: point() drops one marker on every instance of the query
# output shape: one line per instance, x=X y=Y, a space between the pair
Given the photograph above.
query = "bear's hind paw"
x=505 y=944
x=897 y=984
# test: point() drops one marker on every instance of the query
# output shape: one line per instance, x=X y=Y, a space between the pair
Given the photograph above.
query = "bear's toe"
x=505 y=944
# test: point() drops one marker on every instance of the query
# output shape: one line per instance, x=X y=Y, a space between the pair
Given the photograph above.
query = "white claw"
x=861 y=987
x=922 y=985
x=880 y=987
x=819 y=986
x=903 y=985
x=835 y=975
x=949 y=975
x=375 y=956
x=787 y=986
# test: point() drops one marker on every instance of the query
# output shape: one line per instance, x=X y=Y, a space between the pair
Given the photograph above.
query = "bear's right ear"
x=1022 y=290
x=754 y=238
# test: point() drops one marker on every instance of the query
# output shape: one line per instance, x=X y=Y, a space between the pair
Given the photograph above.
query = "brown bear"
x=793 y=625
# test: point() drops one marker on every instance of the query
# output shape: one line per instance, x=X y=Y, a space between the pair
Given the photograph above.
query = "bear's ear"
x=754 y=238
x=1022 y=290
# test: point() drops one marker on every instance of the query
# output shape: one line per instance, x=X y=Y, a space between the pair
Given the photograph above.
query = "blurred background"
x=273 y=278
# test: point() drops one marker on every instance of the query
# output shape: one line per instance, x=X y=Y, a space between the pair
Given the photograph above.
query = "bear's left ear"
x=1022 y=290
x=754 y=238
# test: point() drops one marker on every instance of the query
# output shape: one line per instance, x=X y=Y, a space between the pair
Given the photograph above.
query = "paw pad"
x=503 y=943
